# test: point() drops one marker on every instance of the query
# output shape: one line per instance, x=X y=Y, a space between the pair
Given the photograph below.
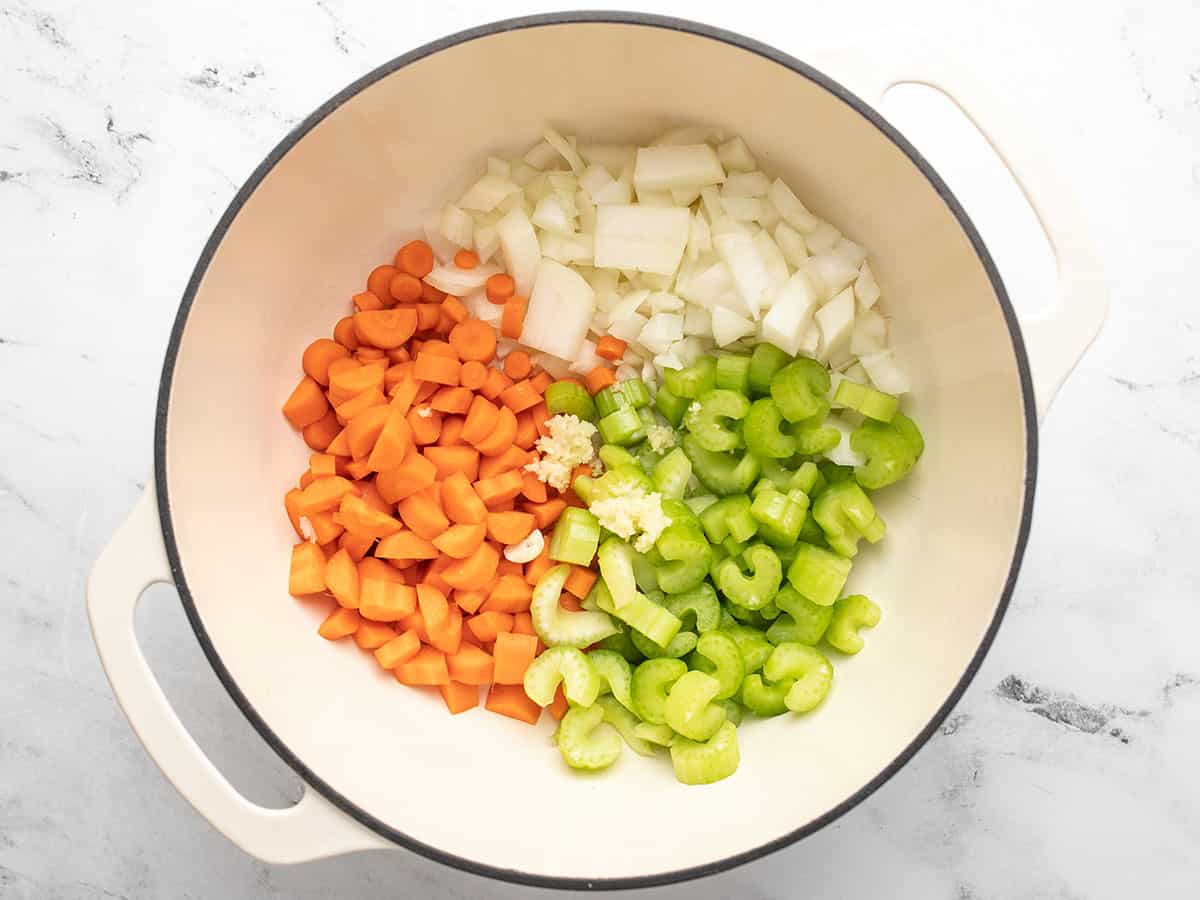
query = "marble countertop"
x=1068 y=770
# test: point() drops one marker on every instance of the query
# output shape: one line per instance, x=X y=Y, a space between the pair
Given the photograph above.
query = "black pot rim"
x=164 y=505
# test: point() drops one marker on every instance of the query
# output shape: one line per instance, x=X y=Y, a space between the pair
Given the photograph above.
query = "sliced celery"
x=575 y=537
x=565 y=665
x=626 y=724
x=651 y=681
x=849 y=615
x=690 y=710
x=818 y=574
x=672 y=473
x=615 y=674
x=582 y=743
x=718 y=655
x=808 y=669
x=712 y=760
x=562 y=627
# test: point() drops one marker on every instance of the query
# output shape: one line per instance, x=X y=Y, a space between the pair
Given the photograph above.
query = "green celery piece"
x=729 y=516
x=672 y=473
x=621 y=480
x=625 y=722
x=849 y=615
x=646 y=414
x=765 y=362
x=582 y=744
x=621 y=643
x=811 y=533
x=712 y=760
x=733 y=372
x=683 y=643
x=779 y=517
x=770 y=611
x=562 y=665
x=832 y=473
x=807 y=668
x=570 y=398
x=644 y=572
x=698 y=378
x=698 y=503
x=818 y=574
x=804 y=478
x=671 y=407
x=763 y=434
x=745 y=615
x=680 y=514
x=561 y=627
x=687 y=556
x=799 y=390
x=733 y=710
x=757 y=589
x=764 y=699
x=733 y=547
x=616 y=568
x=707 y=419
x=615 y=674
x=615 y=457
x=698 y=608
x=584 y=487
x=752 y=643
x=891 y=449
x=636 y=392
x=644 y=615
x=777 y=473
x=651 y=681
x=787 y=554
x=813 y=438
x=845 y=513
x=718 y=655
x=690 y=710
x=576 y=535
x=806 y=622
x=648 y=457
x=623 y=427
x=721 y=473
x=608 y=400
x=660 y=735
x=867 y=400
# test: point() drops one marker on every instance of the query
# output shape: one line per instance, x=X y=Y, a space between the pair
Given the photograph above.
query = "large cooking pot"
x=385 y=766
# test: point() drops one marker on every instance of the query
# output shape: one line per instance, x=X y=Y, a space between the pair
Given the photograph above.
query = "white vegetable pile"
x=676 y=248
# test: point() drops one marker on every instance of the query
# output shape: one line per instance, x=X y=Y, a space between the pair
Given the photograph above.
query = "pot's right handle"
x=133 y=560
x=1057 y=338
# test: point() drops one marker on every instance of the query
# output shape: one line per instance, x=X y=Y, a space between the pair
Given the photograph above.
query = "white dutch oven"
x=338 y=195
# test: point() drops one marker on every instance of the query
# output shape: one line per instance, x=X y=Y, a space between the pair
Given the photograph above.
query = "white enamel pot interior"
x=478 y=790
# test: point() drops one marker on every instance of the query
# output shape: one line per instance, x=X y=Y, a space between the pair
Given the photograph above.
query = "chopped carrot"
x=405 y=545
x=495 y=384
x=466 y=259
x=474 y=340
x=346 y=382
x=469 y=601
x=385 y=328
x=399 y=355
x=340 y=445
x=611 y=348
x=307 y=403
x=546 y=514
x=475 y=571
x=436 y=570
x=433 y=605
x=430 y=294
x=341 y=579
x=423 y=516
x=502 y=436
x=533 y=488
x=535 y=569
x=461 y=503
x=393 y=443
x=415 y=623
x=427 y=667
x=470 y=665
x=527 y=432
x=459 y=697
x=366 y=301
x=291 y=504
x=393 y=375
x=579 y=581
x=425 y=424
x=509 y=527
x=523 y=623
x=512 y=701
x=401 y=648
x=377 y=568
x=428 y=315
x=569 y=603
x=513 y=319
x=448 y=460
x=540 y=416
x=324 y=494
x=520 y=396
x=405 y=288
x=472 y=374
x=373 y=635
x=446 y=322
x=307 y=573
x=339 y=624
x=369 y=355
x=453 y=308
x=460 y=541
x=511 y=594
x=363 y=430
x=541 y=381
x=436 y=368
x=379 y=281
x=320 y=434
x=405 y=392
x=425 y=392
x=517 y=365
x=317 y=357
x=452 y=426
x=558 y=706
x=499 y=488
x=508 y=567
x=385 y=601
x=365 y=400
x=325 y=527
x=343 y=333
x=599 y=378
x=414 y=474
x=456 y=400
x=499 y=287
x=356 y=545
x=360 y=518
x=415 y=258
x=439 y=348
x=512 y=458
x=486 y=625
x=482 y=416
x=511 y=656
x=446 y=635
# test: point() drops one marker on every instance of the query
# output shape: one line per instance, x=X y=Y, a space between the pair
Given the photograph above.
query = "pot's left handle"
x=133 y=560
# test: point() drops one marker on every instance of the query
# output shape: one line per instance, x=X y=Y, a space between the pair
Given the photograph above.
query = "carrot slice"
x=363 y=430
x=321 y=433
x=461 y=503
x=452 y=427
x=405 y=392
x=415 y=258
x=324 y=494
x=436 y=368
x=425 y=424
x=373 y=635
x=520 y=396
x=509 y=527
x=379 y=281
x=580 y=581
x=456 y=400
x=366 y=301
x=359 y=403
x=346 y=382
x=538 y=567
x=325 y=527
x=540 y=416
x=507 y=567
x=466 y=259
x=356 y=545
x=513 y=319
x=502 y=435
x=475 y=571
x=474 y=340
x=340 y=623
x=469 y=601
x=291 y=504
x=511 y=700
x=449 y=460
x=499 y=287
x=423 y=515
x=385 y=601
x=517 y=365
x=405 y=545
x=511 y=594
x=523 y=623
x=511 y=656
x=486 y=625
x=495 y=384
x=341 y=579
x=558 y=706
x=318 y=355
x=611 y=348
x=499 y=488
x=599 y=378
x=541 y=381
x=343 y=333
x=470 y=665
x=414 y=474
x=454 y=310
x=307 y=572
x=527 y=432
x=569 y=603
x=405 y=288
x=512 y=458
x=401 y=648
x=385 y=328
x=369 y=355
x=446 y=635
x=433 y=605
x=460 y=541
x=532 y=488
x=546 y=514
x=306 y=404
x=340 y=445
x=427 y=667
x=393 y=443
x=481 y=420
x=357 y=516
x=415 y=623
x=459 y=697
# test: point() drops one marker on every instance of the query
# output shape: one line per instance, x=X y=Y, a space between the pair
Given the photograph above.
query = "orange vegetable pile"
x=417 y=482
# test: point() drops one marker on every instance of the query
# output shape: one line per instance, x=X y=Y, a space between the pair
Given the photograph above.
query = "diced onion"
x=822 y=239
x=773 y=261
x=564 y=148
x=486 y=193
x=628 y=327
x=742 y=209
x=842 y=454
x=791 y=242
x=487 y=242
x=735 y=156
x=458 y=282
x=790 y=207
x=866 y=289
x=728 y=326
x=522 y=254
x=736 y=249
x=836 y=321
x=665 y=167
x=560 y=309
x=870 y=333
x=830 y=273
x=457 y=227
x=746 y=184
x=881 y=368
x=647 y=239
x=699 y=238
x=788 y=319
x=661 y=331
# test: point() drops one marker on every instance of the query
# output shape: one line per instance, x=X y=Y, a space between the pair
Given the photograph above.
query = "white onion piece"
x=810 y=340
x=708 y=286
x=697 y=320
x=736 y=249
x=791 y=243
x=647 y=197
x=457 y=227
x=769 y=217
x=822 y=239
x=526 y=550
x=487 y=242
x=830 y=273
x=616 y=193
x=626 y=371
x=790 y=207
x=595 y=178
x=501 y=168
x=772 y=257
x=522 y=253
x=541 y=155
x=520 y=172
x=443 y=248
x=566 y=249
x=788 y=319
x=881 y=368
x=664 y=301
x=628 y=327
x=699 y=238
x=746 y=184
x=710 y=203
x=677 y=166
x=685 y=196
x=855 y=372
x=486 y=193
x=560 y=309
x=564 y=148
x=742 y=209
x=479 y=306
x=511 y=202
x=586 y=210
x=652 y=282
x=842 y=454
x=586 y=359
x=836 y=321
x=853 y=253
x=866 y=289
x=870 y=333
x=661 y=331
x=558 y=368
x=613 y=157
x=688 y=350
x=735 y=156
x=728 y=326
x=458 y=282
x=647 y=239
x=552 y=215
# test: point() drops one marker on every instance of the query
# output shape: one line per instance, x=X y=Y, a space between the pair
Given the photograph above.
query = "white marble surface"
x=1068 y=770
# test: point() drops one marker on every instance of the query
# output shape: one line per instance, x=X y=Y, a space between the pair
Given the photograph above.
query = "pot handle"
x=133 y=560
x=1056 y=338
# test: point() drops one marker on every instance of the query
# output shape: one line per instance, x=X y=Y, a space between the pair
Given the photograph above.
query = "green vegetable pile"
x=728 y=610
